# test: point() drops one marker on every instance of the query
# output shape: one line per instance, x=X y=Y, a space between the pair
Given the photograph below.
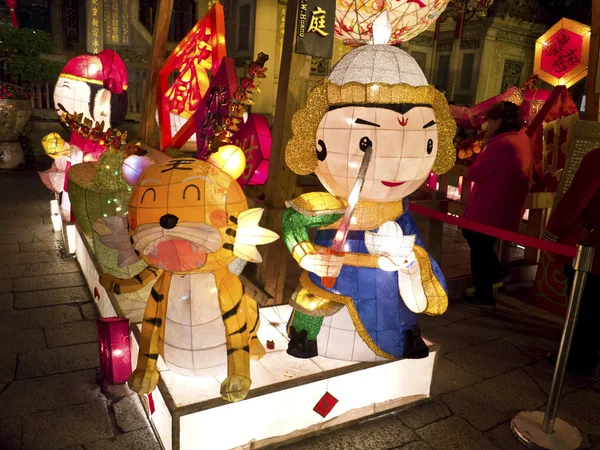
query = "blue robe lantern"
x=384 y=277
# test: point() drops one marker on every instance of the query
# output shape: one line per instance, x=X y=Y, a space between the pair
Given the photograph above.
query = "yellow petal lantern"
x=562 y=53
x=98 y=189
x=190 y=223
x=55 y=146
x=354 y=19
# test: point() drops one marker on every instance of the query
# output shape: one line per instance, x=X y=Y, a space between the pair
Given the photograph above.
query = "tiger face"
x=182 y=214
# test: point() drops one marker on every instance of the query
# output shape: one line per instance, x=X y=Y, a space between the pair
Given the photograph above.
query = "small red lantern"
x=12 y=4
x=115 y=352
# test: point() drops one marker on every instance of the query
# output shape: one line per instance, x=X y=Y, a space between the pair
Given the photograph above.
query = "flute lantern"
x=115 y=351
x=355 y=19
x=190 y=224
x=376 y=101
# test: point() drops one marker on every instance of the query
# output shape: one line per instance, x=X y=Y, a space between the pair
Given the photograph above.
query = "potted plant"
x=20 y=49
x=15 y=111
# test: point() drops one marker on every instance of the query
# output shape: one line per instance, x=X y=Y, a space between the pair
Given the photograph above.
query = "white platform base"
x=190 y=414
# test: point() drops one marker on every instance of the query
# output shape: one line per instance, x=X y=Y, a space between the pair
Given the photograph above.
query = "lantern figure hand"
x=397 y=263
x=322 y=264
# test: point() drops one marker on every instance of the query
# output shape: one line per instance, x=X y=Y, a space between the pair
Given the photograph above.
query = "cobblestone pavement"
x=50 y=394
x=491 y=366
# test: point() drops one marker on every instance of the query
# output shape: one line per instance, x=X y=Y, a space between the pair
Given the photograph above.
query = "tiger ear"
x=134 y=166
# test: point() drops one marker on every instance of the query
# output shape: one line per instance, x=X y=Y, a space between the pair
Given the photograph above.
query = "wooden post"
x=281 y=185
x=593 y=83
x=157 y=58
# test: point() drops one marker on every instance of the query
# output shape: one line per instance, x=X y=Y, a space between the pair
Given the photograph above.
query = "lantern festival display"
x=562 y=53
x=372 y=133
x=115 y=350
x=207 y=104
x=190 y=224
x=355 y=19
x=92 y=92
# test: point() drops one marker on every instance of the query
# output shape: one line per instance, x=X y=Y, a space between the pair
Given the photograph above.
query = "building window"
x=443 y=72
x=466 y=71
x=34 y=14
x=183 y=17
x=239 y=28
x=511 y=76
x=421 y=59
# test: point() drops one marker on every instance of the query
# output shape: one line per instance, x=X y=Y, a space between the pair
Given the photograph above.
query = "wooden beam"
x=294 y=74
x=592 y=96
x=157 y=58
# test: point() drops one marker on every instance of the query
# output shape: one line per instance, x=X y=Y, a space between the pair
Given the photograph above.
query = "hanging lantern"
x=354 y=19
x=231 y=159
x=12 y=4
x=115 y=352
x=562 y=52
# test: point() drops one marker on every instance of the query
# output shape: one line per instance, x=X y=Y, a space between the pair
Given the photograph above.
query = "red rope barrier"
x=526 y=241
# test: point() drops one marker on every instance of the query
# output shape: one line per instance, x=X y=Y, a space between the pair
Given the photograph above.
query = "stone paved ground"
x=492 y=365
x=50 y=393
x=50 y=398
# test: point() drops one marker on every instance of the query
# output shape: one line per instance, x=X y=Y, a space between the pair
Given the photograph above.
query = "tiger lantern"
x=190 y=223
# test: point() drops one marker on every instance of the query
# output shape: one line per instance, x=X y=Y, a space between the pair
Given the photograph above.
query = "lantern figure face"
x=95 y=86
x=354 y=18
x=180 y=213
x=405 y=142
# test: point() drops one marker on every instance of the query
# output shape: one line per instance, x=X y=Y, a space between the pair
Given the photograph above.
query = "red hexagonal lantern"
x=561 y=54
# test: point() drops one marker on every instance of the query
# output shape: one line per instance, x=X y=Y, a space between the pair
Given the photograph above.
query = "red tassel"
x=13 y=18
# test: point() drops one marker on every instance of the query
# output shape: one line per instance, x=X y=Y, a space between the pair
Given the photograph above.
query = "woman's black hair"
x=509 y=114
x=118 y=105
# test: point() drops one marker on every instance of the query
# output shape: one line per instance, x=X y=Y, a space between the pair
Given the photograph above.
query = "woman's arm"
x=487 y=162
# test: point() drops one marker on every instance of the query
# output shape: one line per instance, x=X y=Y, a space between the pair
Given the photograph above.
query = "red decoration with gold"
x=561 y=54
x=551 y=290
x=199 y=54
x=325 y=405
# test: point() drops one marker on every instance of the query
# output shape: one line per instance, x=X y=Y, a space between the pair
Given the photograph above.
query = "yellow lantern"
x=231 y=159
x=55 y=146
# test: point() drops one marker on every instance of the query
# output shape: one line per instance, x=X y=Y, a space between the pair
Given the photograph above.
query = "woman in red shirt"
x=502 y=177
x=577 y=219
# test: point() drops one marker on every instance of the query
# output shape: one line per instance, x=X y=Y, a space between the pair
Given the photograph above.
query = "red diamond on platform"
x=325 y=405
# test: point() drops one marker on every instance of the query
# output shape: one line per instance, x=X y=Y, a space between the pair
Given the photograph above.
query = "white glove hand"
x=396 y=263
x=322 y=264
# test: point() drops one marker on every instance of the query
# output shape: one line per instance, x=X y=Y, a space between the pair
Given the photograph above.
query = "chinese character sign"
x=561 y=54
x=315 y=28
x=95 y=37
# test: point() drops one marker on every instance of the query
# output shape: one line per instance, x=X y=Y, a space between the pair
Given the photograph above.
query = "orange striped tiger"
x=189 y=221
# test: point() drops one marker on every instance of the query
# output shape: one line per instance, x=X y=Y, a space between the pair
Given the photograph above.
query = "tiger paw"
x=235 y=388
x=141 y=382
x=257 y=351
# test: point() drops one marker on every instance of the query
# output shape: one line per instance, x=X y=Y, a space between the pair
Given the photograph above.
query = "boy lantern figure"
x=96 y=87
x=377 y=100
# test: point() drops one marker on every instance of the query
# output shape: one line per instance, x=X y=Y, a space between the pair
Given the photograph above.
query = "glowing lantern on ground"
x=115 y=351
x=561 y=53
x=375 y=100
x=354 y=19
x=191 y=225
